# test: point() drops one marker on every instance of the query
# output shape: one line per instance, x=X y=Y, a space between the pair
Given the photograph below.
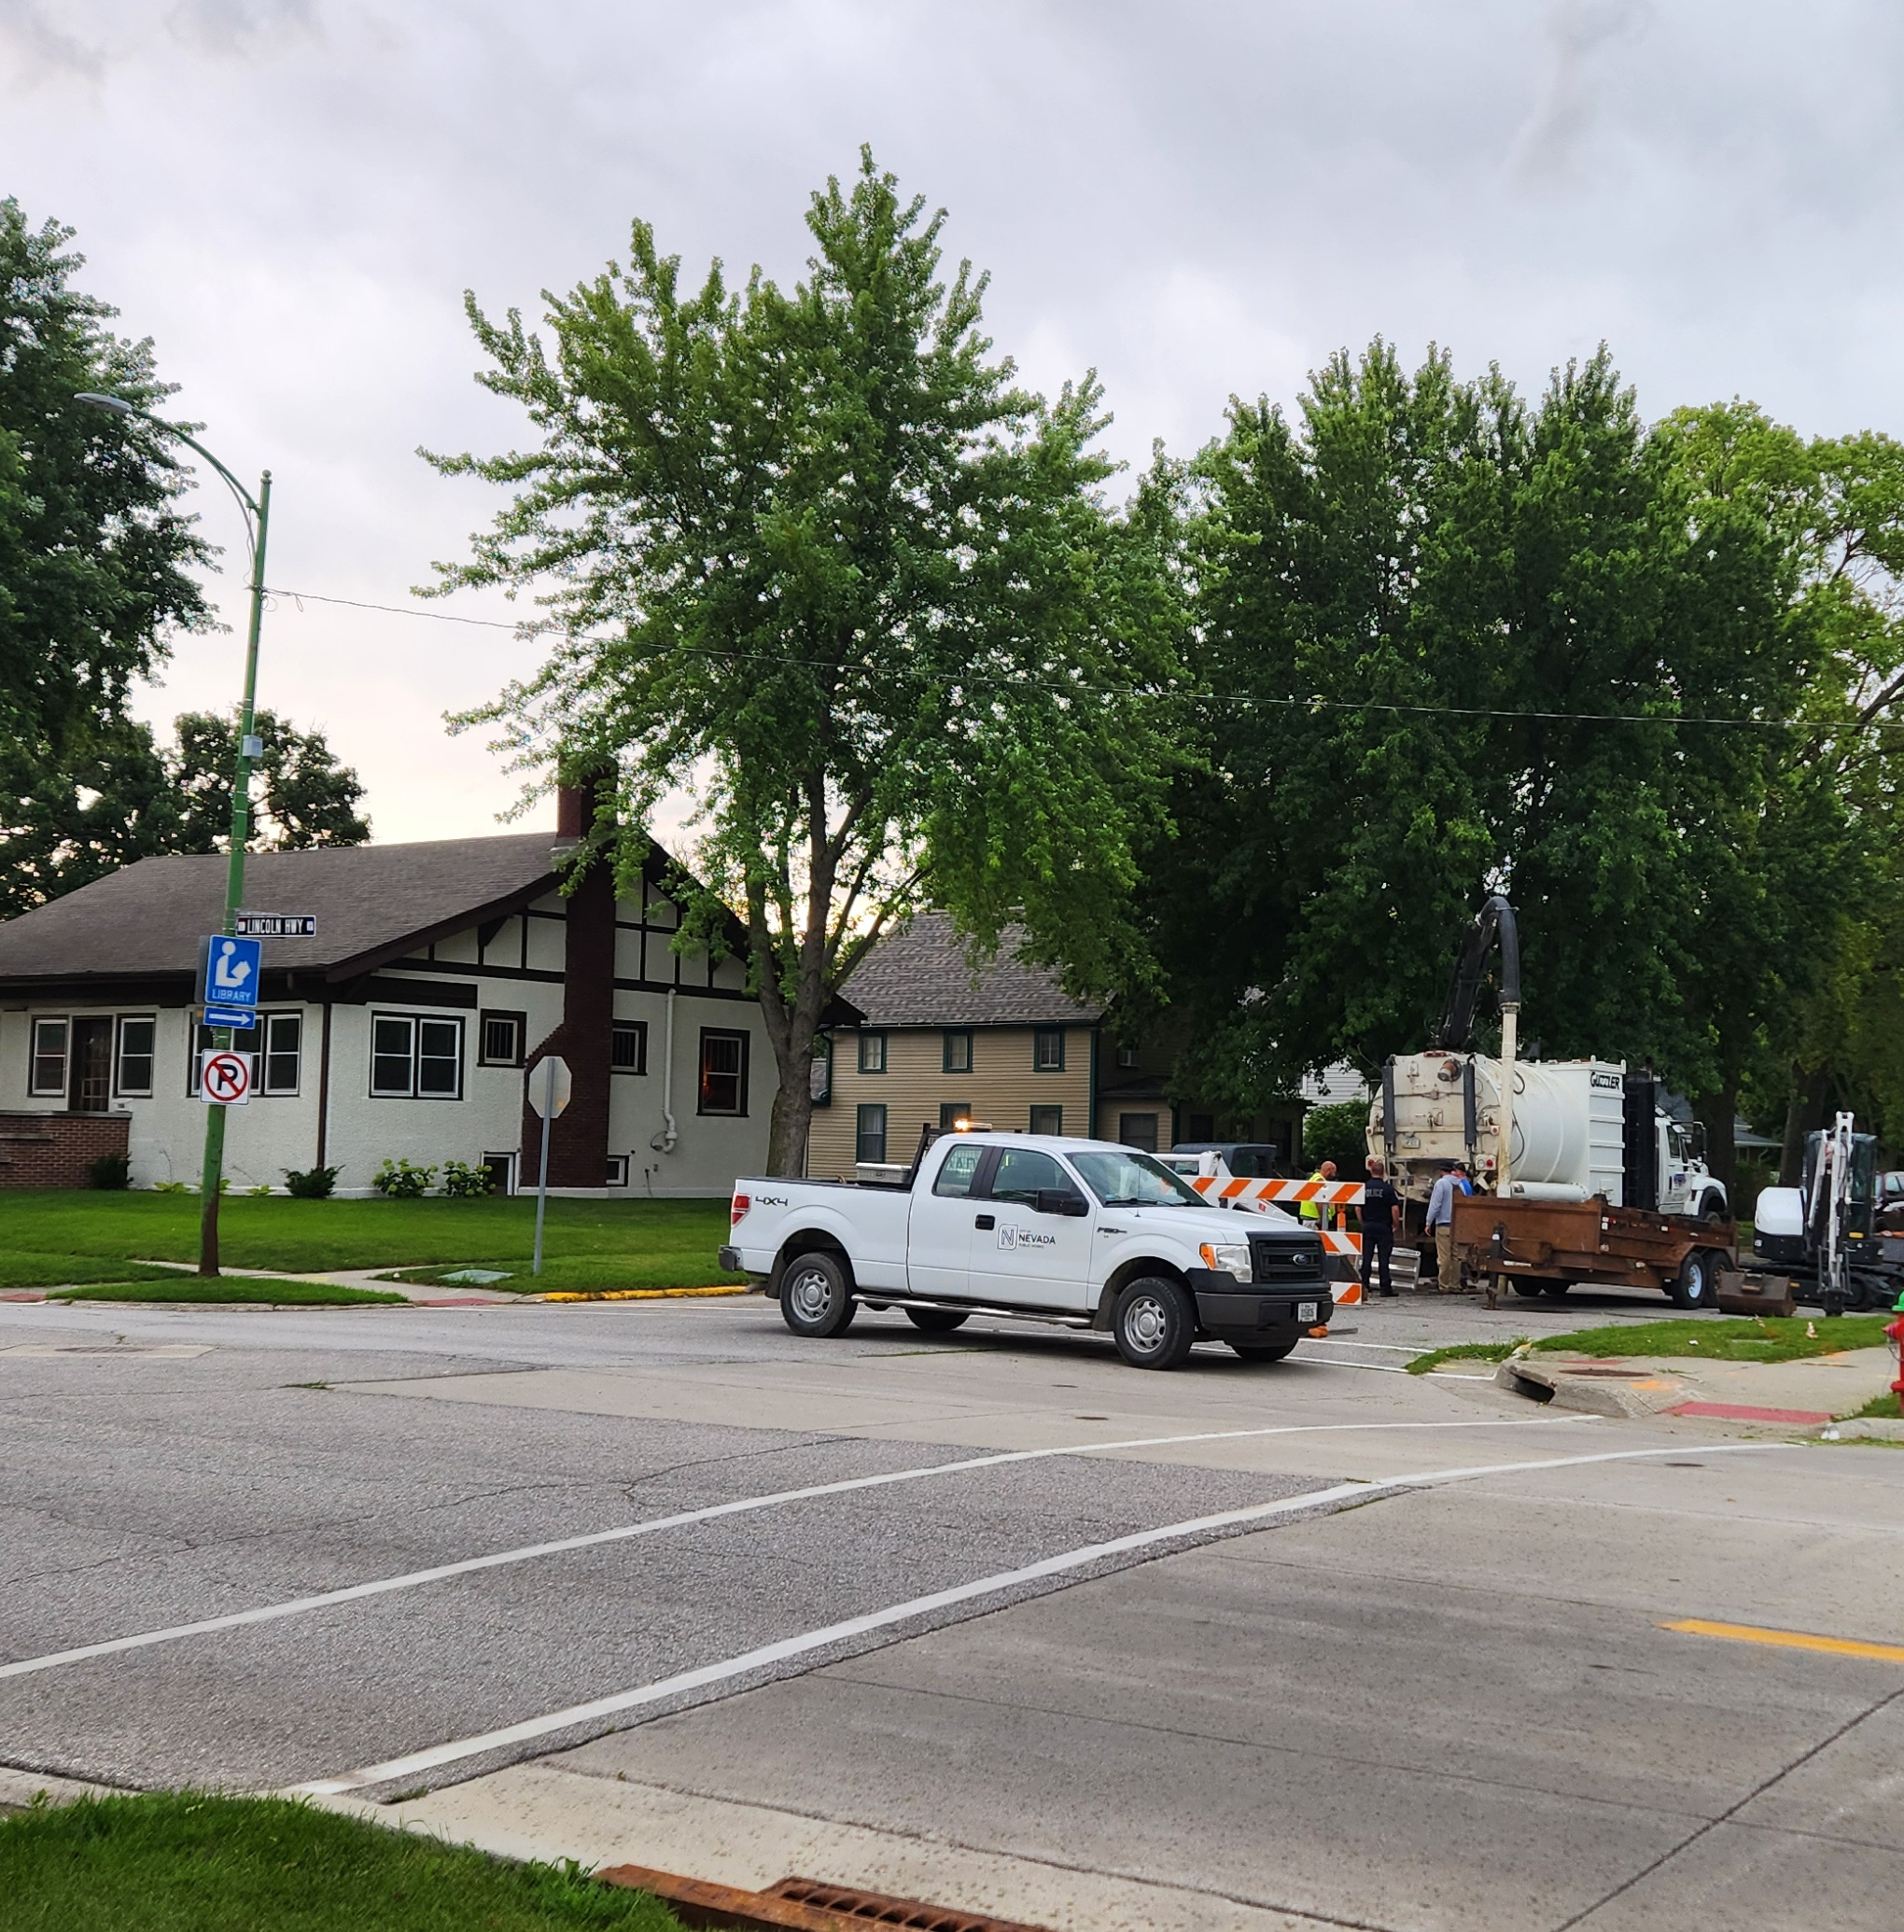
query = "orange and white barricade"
x=1234 y=1193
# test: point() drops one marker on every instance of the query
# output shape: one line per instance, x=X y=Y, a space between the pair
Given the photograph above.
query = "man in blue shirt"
x=1441 y=1225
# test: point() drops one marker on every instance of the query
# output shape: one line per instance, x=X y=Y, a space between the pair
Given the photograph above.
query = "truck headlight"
x=1227 y=1258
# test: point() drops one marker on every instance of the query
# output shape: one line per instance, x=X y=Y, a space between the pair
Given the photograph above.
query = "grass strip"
x=170 y=1287
x=1753 y=1338
x=1880 y=1408
x=34 y=1270
x=193 y=1862
x=1464 y=1352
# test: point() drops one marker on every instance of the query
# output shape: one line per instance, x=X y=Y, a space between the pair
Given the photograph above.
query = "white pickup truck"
x=1084 y=1233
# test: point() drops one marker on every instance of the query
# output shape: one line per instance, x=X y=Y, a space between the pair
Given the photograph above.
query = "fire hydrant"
x=1895 y=1331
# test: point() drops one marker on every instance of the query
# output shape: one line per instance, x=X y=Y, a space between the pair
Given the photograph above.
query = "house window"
x=1047 y=1120
x=1138 y=1130
x=723 y=1071
x=958 y=1058
x=618 y=1170
x=628 y=1047
x=50 y=1037
x=502 y=1039
x=284 y=1047
x=1127 y=1058
x=275 y=1047
x=951 y=1113
x=1047 y=1050
x=872 y=1053
x=869 y=1140
x=819 y=1074
x=132 y=1054
x=413 y=1058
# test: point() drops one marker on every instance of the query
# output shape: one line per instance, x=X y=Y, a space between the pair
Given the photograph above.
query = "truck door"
x=1021 y=1257
x=938 y=1230
x=1675 y=1159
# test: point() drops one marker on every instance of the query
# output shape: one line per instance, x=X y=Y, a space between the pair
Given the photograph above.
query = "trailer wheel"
x=815 y=1298
x=1694 y=1287
x=1557 y=1289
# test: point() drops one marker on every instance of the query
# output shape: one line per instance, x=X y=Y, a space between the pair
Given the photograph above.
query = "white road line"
x=1336 y=1362
x=384 y=1586
x=530 y=1728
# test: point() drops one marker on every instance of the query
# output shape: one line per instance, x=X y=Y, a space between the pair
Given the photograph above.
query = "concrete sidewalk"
x=1803 y=1394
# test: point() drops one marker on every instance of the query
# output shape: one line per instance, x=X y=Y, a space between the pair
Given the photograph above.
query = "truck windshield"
x=1133 y=1180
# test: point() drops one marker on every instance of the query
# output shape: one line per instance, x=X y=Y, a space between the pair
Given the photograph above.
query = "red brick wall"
x=54 y=1149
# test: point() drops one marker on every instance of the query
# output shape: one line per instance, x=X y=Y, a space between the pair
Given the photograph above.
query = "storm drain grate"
x=798 y=1905
x=879 y=1908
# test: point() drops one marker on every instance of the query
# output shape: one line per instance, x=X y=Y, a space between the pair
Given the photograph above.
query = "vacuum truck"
x=1581 y=1174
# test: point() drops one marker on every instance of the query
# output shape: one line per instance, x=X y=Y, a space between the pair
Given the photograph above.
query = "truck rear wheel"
x=1153 y=1324
x=815 y=1298
x=937 y=1321
x=1264 y=1351
x=1694 y=1287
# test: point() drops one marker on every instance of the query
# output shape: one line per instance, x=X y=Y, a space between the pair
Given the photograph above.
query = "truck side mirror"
x=1060 y=1200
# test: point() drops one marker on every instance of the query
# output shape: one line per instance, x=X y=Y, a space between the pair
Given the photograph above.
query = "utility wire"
x=1234 y=699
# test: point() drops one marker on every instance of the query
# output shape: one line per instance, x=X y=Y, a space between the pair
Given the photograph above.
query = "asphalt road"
x=990 y=1619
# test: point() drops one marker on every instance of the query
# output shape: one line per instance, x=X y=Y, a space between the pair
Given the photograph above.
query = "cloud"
x=31 y=47
x=1580 y=33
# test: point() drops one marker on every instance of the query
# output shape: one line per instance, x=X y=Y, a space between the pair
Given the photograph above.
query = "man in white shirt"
x=1440 y=1224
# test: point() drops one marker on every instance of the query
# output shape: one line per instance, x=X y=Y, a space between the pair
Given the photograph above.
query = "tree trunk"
x=1719 y=1111
x=792 y=1114
x=1806 y=1111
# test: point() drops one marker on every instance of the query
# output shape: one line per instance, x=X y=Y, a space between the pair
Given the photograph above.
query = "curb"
x=1593 y=1389
x=635 y=1294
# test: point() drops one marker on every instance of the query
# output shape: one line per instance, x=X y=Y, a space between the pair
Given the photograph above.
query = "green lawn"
x=1755 y=1339
x=190 y=1862
x=177 y=1287
x=588 y=1244
x=30 y=1270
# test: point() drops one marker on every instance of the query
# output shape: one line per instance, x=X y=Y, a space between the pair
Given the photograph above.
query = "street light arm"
x=118 y=406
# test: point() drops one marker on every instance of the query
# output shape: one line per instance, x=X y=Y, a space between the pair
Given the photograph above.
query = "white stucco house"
x=440 y=974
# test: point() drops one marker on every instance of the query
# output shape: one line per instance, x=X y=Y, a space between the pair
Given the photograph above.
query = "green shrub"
x=311 y=1183
x=110 y=1170
x=401 y=1182
x=172 y=1188
x=464 y=1182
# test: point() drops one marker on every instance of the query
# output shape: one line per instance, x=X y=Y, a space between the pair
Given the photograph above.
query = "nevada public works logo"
x=1025 y=1237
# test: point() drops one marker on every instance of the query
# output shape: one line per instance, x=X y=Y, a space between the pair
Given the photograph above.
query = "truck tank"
x=1569 y=1123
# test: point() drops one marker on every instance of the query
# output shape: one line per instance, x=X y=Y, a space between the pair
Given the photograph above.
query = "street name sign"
x=277 y=925
x=225 y=1078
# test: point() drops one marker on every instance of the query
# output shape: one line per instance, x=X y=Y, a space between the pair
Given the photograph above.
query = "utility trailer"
x=1539 y=1247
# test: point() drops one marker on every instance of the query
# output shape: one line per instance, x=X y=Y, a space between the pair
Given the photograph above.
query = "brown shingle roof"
x=922 y=977
x=371 y=904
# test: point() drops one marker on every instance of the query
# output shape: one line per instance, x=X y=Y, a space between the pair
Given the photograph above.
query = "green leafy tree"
x=120 y=796
x=815 y=558
x=95 y=556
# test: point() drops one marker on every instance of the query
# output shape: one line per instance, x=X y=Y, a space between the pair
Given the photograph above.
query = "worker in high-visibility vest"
x=1315 y=1211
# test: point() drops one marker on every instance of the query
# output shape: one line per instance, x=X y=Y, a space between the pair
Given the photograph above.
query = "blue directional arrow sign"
x=228 y=984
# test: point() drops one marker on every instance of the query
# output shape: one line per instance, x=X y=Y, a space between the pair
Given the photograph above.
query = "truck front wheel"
x=815 y=1298
x=1154 y=1323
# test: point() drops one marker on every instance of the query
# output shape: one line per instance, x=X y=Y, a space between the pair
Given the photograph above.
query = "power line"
x=1235 y=700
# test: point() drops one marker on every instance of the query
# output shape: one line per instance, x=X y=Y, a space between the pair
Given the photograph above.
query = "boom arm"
x=1456 y=1033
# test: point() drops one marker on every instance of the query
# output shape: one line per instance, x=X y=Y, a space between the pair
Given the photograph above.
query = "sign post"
x=557 y=1085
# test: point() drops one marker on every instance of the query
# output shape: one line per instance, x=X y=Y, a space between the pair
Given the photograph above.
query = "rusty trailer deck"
x=1584 y=1242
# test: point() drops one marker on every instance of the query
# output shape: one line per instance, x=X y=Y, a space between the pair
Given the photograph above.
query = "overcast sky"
x=290 y=197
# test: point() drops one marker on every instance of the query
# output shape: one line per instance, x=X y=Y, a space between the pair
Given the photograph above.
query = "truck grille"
x=1272 y=1260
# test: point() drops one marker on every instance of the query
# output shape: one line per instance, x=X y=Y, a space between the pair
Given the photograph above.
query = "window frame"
x=951 y=1037
x=620 y=1029
x=1056 y=1130
x=1040 y=1035
x=951 y=1111
x=617 y=1178
x=872 y=1047
x=119 y=1088
x=36 y=1054
x=701 y=1106
x=416 y=1022
x=866 y=1108
x=1138 y=1147
x=1127 y=1059
x=494 y=1013
x=199 y=1043
x=261 y=1083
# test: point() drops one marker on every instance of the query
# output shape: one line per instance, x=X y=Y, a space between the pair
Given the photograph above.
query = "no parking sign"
x=225 y=1078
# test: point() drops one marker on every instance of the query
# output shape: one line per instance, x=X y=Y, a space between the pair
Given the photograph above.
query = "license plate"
x=1306 y=1311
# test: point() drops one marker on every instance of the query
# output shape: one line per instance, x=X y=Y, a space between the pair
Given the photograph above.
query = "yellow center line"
x=1788 y=1640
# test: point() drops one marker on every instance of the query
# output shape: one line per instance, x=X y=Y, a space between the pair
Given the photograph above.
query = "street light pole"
x=257 y=521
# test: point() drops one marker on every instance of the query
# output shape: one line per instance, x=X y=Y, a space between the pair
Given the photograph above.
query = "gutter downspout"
x=664 y=1142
